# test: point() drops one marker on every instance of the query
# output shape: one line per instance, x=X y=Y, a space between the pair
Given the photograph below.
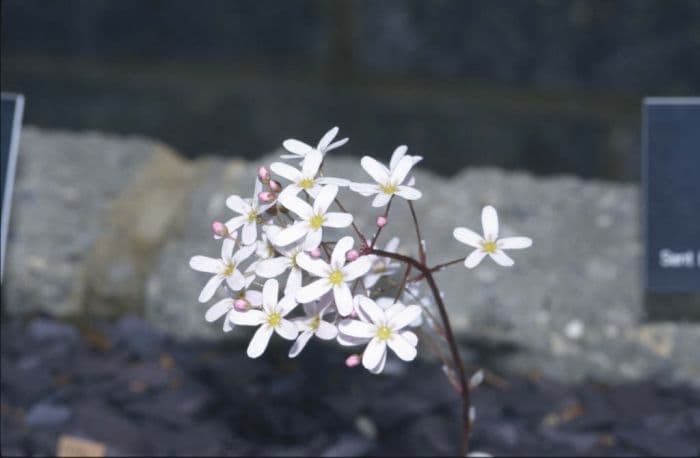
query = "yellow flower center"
x=315 y=322
x=387 y=188
x=379 y=267
x=228 y=270
x=336 y=277
x=316 y=221
x=293 y=260
x=489 y=246
x=274 y=318
x=306 y=183
x=252 y=216
x=383 y=332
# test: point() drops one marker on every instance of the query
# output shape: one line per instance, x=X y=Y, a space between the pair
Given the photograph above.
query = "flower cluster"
x=282 y=272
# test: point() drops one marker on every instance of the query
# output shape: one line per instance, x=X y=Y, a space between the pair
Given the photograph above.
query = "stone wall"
x=104 y=225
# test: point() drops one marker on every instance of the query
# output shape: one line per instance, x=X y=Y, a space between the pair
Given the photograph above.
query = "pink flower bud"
x=353 y=360
x=352 y=255
x=219 y=229
x=241 y=305
x=263 y=174
x=266 y=196
x=275 y=185
x=381 y=221
x=315 y=253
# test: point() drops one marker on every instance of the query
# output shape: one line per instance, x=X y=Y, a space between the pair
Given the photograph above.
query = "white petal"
x=501 y=258
x=337 y=219
x=218 y=310
x=271 y=268
x=373 y=353
x=467 y=236
x=489 y=221
x=236 y=281
x=350 y=341
x=381 y=200
x=296 y=205
x=295 y=146
x=270 y=294
x=392 y=245
x=259 y=342
x=375 y=169
x=337 y=144
x=402 y=348
x=237 y=204
x=287 y=330
x=410 y=337
x=333 y=181
x=250 y=232
x=300 y=343
x=243 y=253
x=474 y=258
x=312 y=162
x=317 y=267
x=371 y=309
x=313 y=291
x=327 y=138
x=228 y=326
x=343 y=299
x=370 y=279
x=325 y=199
x=326 y=331
x=289 y=192
x=366 y=189
x=291 y=234
x=293 y=282
x=210 y=288
x=254 y=297
x=396 y=156
x=227 y=247
x=234 y=223
x=356 y=328
x=380 y=365
x=313 y=239
x=286 y=171
x=408 y=193
x=205 y=264
x=402 y=169
x=357 y=268
x=405 y=317
x=343 y=246
x=514 y=243
x=286 y=305
x=249 y=318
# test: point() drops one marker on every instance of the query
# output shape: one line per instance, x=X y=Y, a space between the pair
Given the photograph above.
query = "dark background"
x=546 y=86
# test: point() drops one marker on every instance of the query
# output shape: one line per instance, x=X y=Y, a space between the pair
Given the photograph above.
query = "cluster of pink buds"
x=273 y=187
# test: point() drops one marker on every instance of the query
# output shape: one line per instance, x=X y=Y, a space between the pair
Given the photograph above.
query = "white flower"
x=382 y=266
x=274 y=267
x=313 y=325
x=306 y=177
x=225 y=306
x=225 y=268
x=300 y=149
x=489 y=244
x=270 y=318
x=313 y=219
x=388 y=182
x=382 y=328
x=250 y=211
x=334 y=276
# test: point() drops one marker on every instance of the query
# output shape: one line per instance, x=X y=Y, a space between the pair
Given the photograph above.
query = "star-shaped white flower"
x=299 y=149
x=225 y=268
x=334 y=276
x=274 y=267
x=313 y=325
x=489 y=243
x=305 y=178
x=313 y=219
x=226 y=306
x=381 y=328
x=270 y=319
x=382 y=266
x=250 y=211
x=389 y=182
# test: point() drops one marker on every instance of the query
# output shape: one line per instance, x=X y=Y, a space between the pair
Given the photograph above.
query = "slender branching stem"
x=379 y=229
x=421 y=248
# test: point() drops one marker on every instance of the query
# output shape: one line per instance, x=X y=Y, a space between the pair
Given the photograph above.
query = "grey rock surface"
x=89 y=206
